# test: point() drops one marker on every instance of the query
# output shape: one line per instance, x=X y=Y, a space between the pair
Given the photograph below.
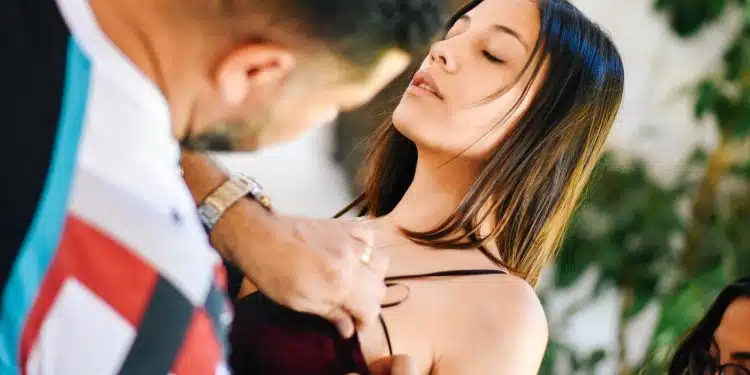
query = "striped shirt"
x=104 y=266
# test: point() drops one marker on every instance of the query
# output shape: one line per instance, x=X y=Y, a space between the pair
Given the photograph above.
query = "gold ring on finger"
x=366 y=255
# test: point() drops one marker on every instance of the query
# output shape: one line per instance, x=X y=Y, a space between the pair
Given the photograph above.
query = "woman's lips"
x=424 y=83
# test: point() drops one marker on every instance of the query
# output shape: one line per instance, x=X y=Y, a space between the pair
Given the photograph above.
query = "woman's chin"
x=403 y=121
x=406 y=115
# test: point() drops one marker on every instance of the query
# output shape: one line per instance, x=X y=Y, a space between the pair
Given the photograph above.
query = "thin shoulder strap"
x=389 y=283
x=387 y=334
x=446 y=274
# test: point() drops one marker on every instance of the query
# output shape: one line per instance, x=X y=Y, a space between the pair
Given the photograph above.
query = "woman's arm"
x=507 y=334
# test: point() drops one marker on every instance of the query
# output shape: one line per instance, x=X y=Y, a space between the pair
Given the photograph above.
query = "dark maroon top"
x=269 y=339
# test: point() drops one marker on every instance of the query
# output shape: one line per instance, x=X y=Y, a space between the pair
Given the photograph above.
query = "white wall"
x=655 y=122
x=300 y=177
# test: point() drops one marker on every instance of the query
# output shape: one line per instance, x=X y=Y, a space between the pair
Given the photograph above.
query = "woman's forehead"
x=521 y=16
x=734 y=329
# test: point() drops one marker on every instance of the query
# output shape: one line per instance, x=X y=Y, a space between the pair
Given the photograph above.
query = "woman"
x=720 y=343
x=470 y=189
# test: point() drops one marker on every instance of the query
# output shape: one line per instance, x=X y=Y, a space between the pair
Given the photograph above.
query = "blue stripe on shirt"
x=41 y=242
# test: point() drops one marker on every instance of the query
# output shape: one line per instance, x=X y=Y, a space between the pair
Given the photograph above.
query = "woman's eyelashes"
x=492 y=58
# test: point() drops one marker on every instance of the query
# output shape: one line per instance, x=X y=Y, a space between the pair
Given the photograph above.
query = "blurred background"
x=666 y=220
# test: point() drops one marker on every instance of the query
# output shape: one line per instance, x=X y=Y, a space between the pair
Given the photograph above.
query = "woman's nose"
x=441 y=55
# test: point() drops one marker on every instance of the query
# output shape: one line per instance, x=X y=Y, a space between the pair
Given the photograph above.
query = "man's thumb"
x=396 y=365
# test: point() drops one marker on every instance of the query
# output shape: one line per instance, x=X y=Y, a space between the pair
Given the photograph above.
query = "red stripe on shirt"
x=220 y=277
x=200 y=353
x=106 y=267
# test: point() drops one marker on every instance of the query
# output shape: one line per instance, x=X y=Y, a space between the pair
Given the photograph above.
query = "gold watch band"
x=215 y=205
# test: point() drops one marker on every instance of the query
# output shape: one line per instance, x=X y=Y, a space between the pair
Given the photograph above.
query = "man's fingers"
x=378 y=263
x=395 y=365
x=342 y=321
x=403 y=365
x=362 y=232
x=381 y=366
x=363 y=303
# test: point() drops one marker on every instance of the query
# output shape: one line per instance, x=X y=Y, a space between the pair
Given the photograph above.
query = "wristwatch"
x=215 y=205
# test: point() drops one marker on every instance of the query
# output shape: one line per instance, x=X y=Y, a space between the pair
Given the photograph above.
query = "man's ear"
x=253 y=68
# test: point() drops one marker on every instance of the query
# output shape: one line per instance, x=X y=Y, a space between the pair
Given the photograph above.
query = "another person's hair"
x=698 y=341
x=534 y=177
x=357 y=30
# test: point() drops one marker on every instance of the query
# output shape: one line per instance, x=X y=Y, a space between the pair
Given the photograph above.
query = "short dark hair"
x=357 y=30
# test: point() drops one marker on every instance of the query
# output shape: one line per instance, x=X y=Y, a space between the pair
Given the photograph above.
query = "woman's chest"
x=407 y=328
x=422 y=325
x=422 y=313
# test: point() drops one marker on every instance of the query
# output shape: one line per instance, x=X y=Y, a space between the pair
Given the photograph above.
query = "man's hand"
x=395 y=365
x=314 y=266
x=308 y=265
x=311 y=266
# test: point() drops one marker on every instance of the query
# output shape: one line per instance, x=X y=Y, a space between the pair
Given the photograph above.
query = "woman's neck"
x=435 y=192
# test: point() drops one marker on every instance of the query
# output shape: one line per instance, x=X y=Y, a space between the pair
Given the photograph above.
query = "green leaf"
x=742 y=170
x=593 y=360
x=707 y=94
x=683 y=309
x=742 y=125
x=662 y=4
x=641 y=299
x=579 y=251
x=726 y=113
x=737 y=56
x=550 y=357
x=699 y=156
x=687 y=17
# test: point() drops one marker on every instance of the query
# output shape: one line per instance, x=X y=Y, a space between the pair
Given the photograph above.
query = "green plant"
x=633 y=229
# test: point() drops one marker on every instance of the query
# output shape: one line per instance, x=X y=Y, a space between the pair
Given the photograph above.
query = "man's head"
x=281 y=66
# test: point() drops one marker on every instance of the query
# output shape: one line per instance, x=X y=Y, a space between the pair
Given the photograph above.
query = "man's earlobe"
x=252 y=67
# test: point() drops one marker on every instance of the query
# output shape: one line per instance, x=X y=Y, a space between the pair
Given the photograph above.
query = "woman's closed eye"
x=492 y=58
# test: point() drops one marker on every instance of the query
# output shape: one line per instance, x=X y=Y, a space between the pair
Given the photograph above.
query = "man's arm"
x=203 y=176
x=307 y=265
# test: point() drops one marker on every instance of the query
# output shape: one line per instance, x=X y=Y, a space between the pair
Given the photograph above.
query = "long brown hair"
x=530 y=185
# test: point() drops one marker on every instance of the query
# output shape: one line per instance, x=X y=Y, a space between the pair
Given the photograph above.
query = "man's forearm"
x=201 y=174
x=246 y=217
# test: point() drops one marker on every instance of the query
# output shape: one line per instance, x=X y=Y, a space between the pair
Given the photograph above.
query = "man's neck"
x=137 y=29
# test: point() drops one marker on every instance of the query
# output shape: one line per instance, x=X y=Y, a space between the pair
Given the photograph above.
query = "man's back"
x=105 y=268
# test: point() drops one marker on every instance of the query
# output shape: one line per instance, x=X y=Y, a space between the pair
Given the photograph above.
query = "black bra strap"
x=446 y=274
x=387 y=334
x=389 y=283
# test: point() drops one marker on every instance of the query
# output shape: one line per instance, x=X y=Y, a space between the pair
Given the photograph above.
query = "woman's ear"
x=253 y=69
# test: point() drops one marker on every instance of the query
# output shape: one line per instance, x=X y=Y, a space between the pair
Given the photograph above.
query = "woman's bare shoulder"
x=507 y=303
x=502 y=325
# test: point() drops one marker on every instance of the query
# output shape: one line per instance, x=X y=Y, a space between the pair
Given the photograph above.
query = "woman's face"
x=732 y=337
x=445 y=108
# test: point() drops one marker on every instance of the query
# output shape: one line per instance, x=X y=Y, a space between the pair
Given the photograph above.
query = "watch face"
x=208 y=214
x=249 y=181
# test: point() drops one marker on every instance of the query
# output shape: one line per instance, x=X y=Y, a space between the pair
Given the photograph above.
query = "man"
x=105 y=267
